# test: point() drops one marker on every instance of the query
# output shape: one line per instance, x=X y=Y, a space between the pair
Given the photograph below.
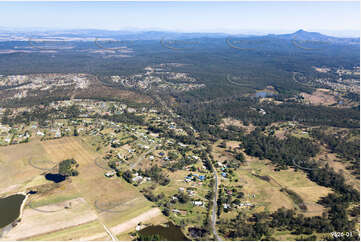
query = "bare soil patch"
x=35 y=223
x=320 y=97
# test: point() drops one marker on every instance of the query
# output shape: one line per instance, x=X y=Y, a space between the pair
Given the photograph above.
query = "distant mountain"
x=302 y=35
x=95 y=33
x=91 y=34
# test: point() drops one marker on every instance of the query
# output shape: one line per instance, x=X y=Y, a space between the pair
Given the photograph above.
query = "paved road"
x=215 y=188
x=214 y=213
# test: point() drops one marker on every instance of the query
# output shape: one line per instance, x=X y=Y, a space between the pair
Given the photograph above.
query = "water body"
x=55 y=177
x=264 y=94
x=169 y=232
x=10 y=209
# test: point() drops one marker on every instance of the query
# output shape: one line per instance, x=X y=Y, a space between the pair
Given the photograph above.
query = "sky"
x=228 y=17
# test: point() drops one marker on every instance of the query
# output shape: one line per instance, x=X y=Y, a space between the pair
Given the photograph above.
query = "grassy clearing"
x=262 y=186
x=56 y=196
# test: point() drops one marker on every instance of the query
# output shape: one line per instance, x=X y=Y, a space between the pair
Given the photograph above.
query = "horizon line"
x=353 y=33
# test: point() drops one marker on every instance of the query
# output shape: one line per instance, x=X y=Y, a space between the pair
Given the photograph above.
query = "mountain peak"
x=300 y=31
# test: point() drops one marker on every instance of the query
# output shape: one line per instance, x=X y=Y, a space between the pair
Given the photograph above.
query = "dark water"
x=55 y=177
x=10 y=209
x=264 y=94
x=168 y=232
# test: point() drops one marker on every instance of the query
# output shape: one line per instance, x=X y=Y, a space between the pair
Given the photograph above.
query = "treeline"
x=43 y=115
x=206 y=117
x=261 y=226
x=348 y=150
x=283 y=153
x=296 y=198
x=327 y=177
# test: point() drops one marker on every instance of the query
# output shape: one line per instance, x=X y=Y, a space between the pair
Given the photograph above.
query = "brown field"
x=15 y=161
x=230 y=121
x=35 y=222
x=233 y=144
x=320 y=97
x=84 y=219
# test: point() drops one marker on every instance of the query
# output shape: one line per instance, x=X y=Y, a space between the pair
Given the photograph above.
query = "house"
x=161 y=154
x=109 y=173
x=39 y=133
x=191 y=193
x=58 y=133
x=202 y=178
x=137 y=179
x=197 y=203
x=262 y=112
x=175 y=211
x=224 y=174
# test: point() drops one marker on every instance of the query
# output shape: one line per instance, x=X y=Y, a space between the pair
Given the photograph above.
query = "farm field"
x=19 y=173
x=77 y=207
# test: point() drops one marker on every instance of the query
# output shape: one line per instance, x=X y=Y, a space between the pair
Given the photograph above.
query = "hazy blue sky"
x=184 y=16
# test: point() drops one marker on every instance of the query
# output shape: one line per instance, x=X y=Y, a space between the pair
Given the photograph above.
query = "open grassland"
x=296 y=181
x=262 y=185
x=62 y=192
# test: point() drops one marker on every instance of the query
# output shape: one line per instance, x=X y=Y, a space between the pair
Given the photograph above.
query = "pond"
x=264 y=94
x=169 y=232
x=55 y=177
x=10 y=209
